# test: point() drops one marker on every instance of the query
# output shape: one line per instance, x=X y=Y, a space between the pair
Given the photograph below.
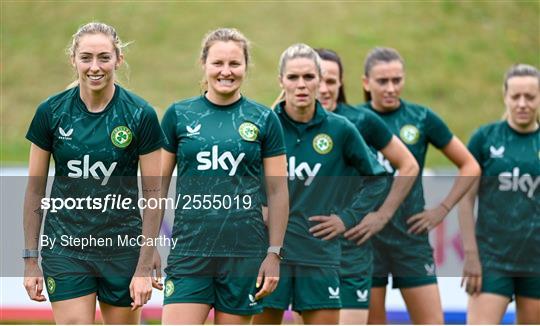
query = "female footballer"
x=97 y=132
x=402 y=247
x=502 y=263
x=323 y=149
x=224 y=146
x=356 y=262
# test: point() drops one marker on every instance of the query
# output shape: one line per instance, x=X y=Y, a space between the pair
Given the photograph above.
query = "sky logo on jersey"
x=362 y=295
x=385 y=163
x=513 y=181
x=302 y=171
x=334 y=293
x=121 y=136
x=65 y=135
x=409 y=134
x=252 y=300
x=496 y=152
x=87 y=169
x=248 y=131
x=430 y=269
x=193 y=131
x=323 y=144
x=213 y=160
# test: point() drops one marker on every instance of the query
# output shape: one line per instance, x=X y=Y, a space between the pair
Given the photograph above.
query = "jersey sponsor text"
x=87 y=169
x=302 y=170
x=213 y=160
x=513 y=181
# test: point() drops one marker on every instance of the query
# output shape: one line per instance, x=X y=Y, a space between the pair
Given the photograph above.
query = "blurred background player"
x=223 y=259
x=402 y=248
x=101 y=128
x=322 y=149
x=357 y=262
x=505 y=265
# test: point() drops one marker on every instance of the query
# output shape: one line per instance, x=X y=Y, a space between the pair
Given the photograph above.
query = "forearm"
x=278 y=210
x=32 y=211
x=401 y=186
x=151 y=187
x=467 y=223
x=368 y=198
x=467 y=176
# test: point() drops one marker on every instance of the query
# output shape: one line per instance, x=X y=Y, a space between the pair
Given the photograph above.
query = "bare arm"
x=472 y=270
x=278 y=198
x=278 y=215
x=399 y=156
x=141 y=284
x=469 y=170
x=168 y=162
x=38 y=169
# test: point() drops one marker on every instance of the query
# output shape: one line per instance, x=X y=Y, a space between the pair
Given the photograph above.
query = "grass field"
x=455 y=52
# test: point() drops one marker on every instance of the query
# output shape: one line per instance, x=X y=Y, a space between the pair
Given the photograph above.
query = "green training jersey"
x=219 y=153
x=358 y=259
x=508 y=225
x=417 y=127
x=321 y=155
x=371 y=127
x=96 y=154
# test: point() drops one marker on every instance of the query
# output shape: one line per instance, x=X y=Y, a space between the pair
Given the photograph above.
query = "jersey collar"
x=401 y=106
x=80 y=104
x=318 y=118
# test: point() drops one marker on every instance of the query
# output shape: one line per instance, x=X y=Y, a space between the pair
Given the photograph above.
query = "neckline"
x=222 y=107
x=82 y=106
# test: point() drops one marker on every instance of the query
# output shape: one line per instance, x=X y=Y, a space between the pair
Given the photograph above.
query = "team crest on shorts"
x=323 y=144
x=51 y=285
x=169 y=288
x=121 y=136
x=409 y=134
x=248 y=131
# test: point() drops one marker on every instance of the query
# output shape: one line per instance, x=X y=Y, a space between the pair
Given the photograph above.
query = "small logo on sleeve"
x=65 y=135
x=193 y=131
x=248 y=131
x=334 y=293
x=409 y=134
x=323 y=144
x=496 y=152
x=121 y=136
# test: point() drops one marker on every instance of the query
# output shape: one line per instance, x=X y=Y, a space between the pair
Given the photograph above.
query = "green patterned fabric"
x=508 y=225
x=219 y=152
x=95 y=154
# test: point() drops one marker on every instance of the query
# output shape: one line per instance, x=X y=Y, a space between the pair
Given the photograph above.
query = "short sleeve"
x=151 y=136
x=168 y=124
x=438 y=132
x=274 y=141
x=39 y=131
x=358 y=154
x=377 y=133
x=475 y=145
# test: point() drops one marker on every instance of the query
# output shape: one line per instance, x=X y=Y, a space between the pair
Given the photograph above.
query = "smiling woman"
x=95 y=128
x=222 y=138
